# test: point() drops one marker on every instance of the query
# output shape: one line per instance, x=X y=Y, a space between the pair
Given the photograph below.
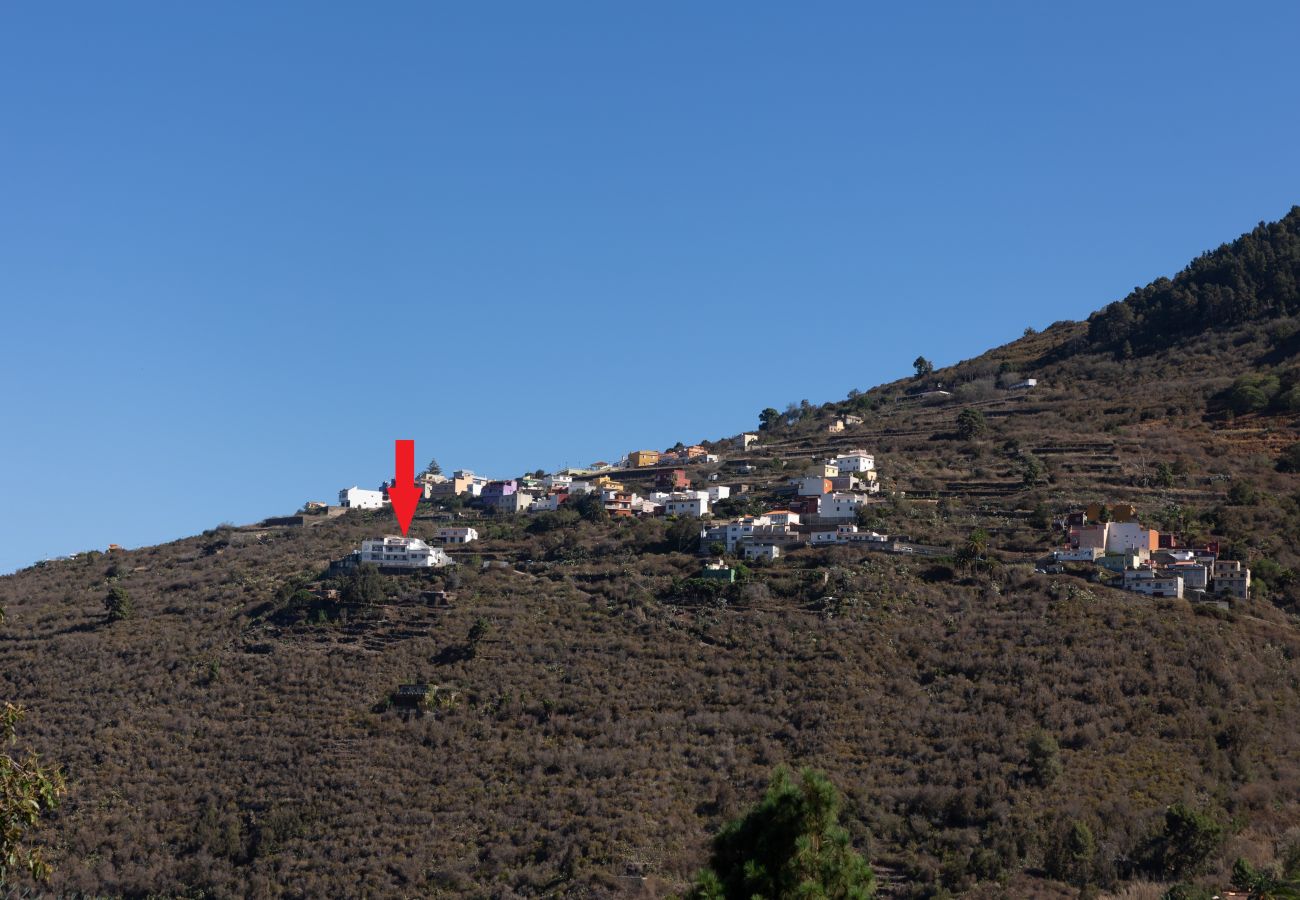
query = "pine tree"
x=118 y=603
x=789 y=845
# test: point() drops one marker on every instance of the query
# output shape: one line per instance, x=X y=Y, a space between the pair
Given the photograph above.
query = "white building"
x=811 y=485
x=687 y=503
x=558 y=482
x=839 y=506
x=782 y=517
x=718 y=492
x=1077 y=554
x=457 y=535
x=649 y=505
x=404 y=553
x=359 y=498
x=855 y=461
x=1125 y=537
x=1153 y=583
x=549 y=503
x=1025 y=385
x=762 y=551
x=740 y=530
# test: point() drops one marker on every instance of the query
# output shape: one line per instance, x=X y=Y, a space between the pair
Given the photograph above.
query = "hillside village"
x=826 y=503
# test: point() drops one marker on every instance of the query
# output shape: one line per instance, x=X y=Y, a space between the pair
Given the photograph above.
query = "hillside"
x=602 y=714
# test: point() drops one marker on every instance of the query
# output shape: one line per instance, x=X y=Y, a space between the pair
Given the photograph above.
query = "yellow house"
x=605 y=482
x=639 y=458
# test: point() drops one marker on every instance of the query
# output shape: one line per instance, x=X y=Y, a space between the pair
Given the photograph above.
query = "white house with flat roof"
x=360 y=498
x=403 y=552
x=457 y=535
x=839 y=506
x=1153 y=583
x=855 y=461
x=687 y=503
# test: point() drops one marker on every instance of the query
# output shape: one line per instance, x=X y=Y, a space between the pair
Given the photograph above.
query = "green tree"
x=118 y=603
x=433 y=468
x=1265 y=885
x=1032 y=470
x=1164 y=475
x=1181 y=849
x=363 y=584
x=684 y=535
x=477 y=632
x=1043 y=757
x=971 y=424
x=922 y=366
x=1071 y=857
x=768 y=419
x=590 y=506
x=28 y=790
x=790 y=845
x=972 y=553
x=1251 y=393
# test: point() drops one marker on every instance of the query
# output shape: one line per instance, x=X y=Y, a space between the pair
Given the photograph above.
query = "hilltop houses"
x=1149 y=562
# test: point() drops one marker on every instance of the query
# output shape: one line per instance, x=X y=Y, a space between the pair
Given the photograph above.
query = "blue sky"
x=243 y=247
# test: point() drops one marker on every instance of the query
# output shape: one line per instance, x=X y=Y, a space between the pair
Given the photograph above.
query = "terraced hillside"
x=602 y=711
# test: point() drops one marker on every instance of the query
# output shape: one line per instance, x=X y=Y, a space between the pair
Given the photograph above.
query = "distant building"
x=839 y=506
x=1153 y=583
x=718 y=492
x=494 y=491
x=618 y=503
x=1077 y=554
x=638 y=459
x=1232 y=578
x=718 y=571
x=1025 y=385
x=456 y=535
x=692 y=503
x=519 y=501
x=781 y=517
x=1122 y=537
x=855 y=461
x=394 y=552
x=549 y=503
x=673 y=480
x=812 y=485
x=360 y=498
x=747 y=440
x=762 y=551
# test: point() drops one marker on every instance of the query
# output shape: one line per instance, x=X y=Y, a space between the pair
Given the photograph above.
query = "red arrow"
x=403 y=493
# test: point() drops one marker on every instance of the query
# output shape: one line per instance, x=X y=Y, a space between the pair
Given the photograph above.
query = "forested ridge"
x=1252 y=279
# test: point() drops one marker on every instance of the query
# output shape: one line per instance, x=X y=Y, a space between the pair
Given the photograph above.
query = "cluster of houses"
x=777 y=531
x=1148 y=561
x=820 y=505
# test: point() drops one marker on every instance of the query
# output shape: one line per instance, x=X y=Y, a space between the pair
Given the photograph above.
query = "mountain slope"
x=611 y=714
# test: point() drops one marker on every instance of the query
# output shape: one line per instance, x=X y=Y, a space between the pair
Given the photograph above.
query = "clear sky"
x=245 y=246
